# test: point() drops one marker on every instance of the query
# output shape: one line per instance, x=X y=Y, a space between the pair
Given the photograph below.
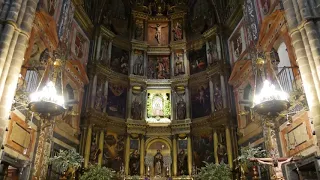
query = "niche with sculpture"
x=158 y=107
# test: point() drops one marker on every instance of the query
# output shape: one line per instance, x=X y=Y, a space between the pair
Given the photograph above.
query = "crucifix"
x=276 y=164
x=158 y=29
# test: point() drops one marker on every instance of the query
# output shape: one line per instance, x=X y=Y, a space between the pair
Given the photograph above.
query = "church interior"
x=160 y=89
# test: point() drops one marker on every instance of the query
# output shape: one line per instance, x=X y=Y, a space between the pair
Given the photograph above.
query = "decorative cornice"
x=177 y=15
x=102 y=120
x=106 y=32
x=178 y=45
x=159 y=50
x=140 y=15
x=196 y=44
x=111 y=75
x=82 y=17
x=210 y=32
x=199 y=78
x=158 y=19
x=141 y=45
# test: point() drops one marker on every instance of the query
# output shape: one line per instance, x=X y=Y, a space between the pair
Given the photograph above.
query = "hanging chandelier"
x=47 y=101
x=270 y=101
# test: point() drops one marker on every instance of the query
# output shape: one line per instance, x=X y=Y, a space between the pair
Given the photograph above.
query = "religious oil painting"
x=79 y=44
x=198 y=60
x=158 y=67
x=237 y=43
x=116 y=101
x=200 y=100
x=138 y=62
x=119 y=60
x=113 y=150
x=203 y=149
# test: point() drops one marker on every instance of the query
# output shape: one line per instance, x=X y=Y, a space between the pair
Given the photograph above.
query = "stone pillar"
x=87 y=148
x=189 y=148
x=211 y=95
x=218 y=42
x=229 y=147
x=174 y=155
x=188 y=113
x=25 y=17
x=109 y=52
x=142 y=150
x=127 y=155
x=305 y=64
x=223 y=91
x=106 y=88
x=215 y=146
x=101 y=141
x=94 y=90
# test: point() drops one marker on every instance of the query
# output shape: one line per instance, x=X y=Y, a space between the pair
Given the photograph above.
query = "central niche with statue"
x=158 y=107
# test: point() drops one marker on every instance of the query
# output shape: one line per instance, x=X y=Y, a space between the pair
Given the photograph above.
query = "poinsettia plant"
x=66 y=160
x=213 y=171
x=98 y=173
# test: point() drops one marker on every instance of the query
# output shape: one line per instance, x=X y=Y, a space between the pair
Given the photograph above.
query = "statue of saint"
x=158 y=29
x=138 y=66
x=158 y=163
x=182 y=162
x=222 y=154
x=212 y=53
x=104 y=51
x=179 y=69
x=218 y=102
x=136 y=109
x=181 y=110
x=177 y=32
x=134 y=163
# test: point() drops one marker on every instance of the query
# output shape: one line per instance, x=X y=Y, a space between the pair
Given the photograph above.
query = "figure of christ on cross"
x=158 y=29
x=276 y=164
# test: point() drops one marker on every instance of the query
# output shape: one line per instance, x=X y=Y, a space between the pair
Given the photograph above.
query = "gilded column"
x=106 y=88
x=223 y=91
x=94 y=90
x=212 y=95
x=229 y=147
x=127 y=155
x=215 y=146
x=174 y=155
x=186 y=62
x=172 y=63
x=87 y=149
x=189 y=154
x=142 y=155
x=188 y=114
x=109 y=52
x=101 y=140
x=98 y=48
x=129 y=102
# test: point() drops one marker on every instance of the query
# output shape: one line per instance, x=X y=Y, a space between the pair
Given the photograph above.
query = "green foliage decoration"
x=246 y=153
x=98 y=173
x=212 y=171
x=66 y=160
